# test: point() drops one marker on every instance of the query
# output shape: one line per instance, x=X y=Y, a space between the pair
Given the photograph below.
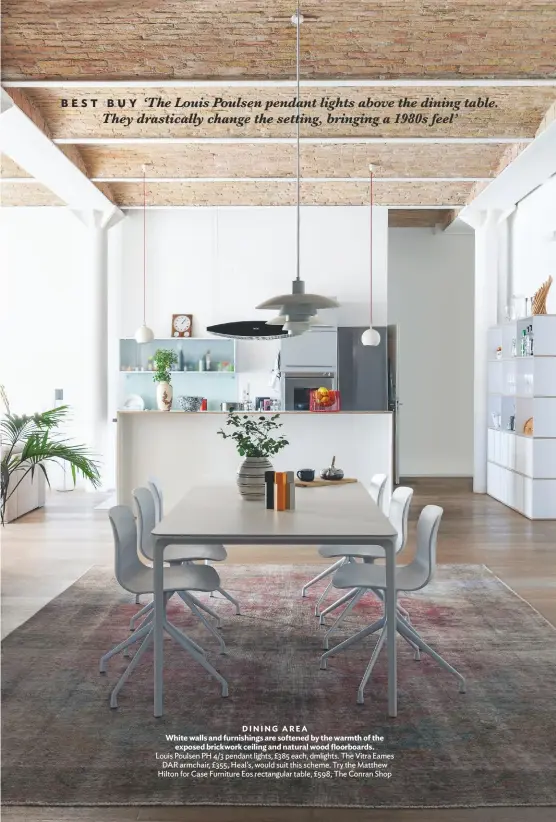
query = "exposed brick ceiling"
x=253 y=40
x=202 y=39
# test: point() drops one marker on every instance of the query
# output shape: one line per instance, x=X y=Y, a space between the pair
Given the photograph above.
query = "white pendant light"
x=144 y=334
x=296 y=311
x=371 y=335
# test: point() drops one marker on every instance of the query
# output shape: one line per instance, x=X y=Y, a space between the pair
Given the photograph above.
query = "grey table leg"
x=391 y=629
x=159 y=625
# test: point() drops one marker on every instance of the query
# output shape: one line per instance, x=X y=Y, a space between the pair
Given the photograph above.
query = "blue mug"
x=306 y=475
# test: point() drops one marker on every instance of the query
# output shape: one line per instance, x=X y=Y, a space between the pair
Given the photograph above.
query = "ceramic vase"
x=164 y=394
x=250 y=477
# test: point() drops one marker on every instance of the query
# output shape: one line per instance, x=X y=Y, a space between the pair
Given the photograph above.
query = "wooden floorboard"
x=48 y=550
x=204 y=814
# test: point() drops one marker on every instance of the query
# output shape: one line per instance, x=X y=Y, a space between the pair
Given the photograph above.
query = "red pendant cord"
x=371 y=248
x=144 y=250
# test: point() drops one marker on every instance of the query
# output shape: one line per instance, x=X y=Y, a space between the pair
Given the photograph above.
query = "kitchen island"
x=183 y=449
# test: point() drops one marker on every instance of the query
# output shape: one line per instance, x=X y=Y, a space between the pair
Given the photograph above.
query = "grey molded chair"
x=412 y=577
x=399 y=517
x=137 y=578
x=376 y=490
x=176 y=555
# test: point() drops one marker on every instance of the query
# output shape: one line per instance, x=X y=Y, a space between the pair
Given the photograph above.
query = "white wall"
x=218 y=264
x=45 y=341
x=431 y=298
x=533 y=243
x=214 y=263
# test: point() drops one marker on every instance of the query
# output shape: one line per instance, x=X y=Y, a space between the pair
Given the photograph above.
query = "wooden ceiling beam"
x=446 y=219
x=416 y=218
x=308 y=141
x=266 y=84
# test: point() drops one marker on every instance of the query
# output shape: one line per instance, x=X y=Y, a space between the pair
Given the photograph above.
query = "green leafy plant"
x=252 y=435
x=163 y=360
x=30 y=443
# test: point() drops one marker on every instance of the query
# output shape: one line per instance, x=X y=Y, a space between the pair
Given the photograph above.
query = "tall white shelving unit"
x=521 y=468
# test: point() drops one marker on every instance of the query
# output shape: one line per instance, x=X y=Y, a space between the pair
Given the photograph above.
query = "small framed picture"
x=182 y=325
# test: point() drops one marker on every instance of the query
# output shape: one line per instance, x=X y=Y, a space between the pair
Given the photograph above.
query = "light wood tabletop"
x=346 y=514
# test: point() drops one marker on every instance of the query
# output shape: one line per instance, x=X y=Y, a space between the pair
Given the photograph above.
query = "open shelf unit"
x=521 y=468
x=217 y=385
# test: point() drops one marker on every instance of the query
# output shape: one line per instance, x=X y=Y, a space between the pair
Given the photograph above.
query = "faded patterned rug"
x=495 y=745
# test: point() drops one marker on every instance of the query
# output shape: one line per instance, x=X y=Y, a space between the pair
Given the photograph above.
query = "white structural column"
x=98 y=250
x=487 y=260
x=96 y=255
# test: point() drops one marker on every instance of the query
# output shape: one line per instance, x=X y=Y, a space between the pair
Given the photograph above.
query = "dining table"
x=218 y=514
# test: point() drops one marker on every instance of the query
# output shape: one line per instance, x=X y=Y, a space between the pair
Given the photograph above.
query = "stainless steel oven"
x=297 y=385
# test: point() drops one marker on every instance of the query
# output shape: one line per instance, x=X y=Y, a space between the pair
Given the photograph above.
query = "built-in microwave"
x=296 y=388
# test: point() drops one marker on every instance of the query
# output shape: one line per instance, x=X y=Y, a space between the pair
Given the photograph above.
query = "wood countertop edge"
x=125 y=411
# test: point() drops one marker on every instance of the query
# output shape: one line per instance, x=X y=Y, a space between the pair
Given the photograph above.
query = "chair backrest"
x=126 y=561
x=424 y=563
x=377 y=487
x=146 y=520
x=156 y=490
x=399 y=513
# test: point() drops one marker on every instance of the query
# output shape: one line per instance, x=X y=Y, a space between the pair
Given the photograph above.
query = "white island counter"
x=183 y=449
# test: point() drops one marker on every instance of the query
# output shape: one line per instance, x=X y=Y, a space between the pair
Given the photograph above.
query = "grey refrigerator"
x=368 y=376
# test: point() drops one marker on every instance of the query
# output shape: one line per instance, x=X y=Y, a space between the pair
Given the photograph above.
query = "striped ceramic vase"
x=250 y=477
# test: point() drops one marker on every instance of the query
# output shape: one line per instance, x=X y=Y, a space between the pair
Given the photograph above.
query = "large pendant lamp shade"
x=297 y=310
x=144 y=334
x=371 y=335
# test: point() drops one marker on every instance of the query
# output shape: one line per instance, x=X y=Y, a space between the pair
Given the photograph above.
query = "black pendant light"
x=248 y=330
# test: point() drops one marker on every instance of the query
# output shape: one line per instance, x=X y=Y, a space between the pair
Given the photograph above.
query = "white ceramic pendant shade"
x=371 y=335
x=144 y=334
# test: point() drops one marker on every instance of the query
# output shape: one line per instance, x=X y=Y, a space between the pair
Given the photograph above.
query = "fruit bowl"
x=329 y=401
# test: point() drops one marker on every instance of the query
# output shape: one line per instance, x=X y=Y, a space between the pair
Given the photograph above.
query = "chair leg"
x=144 y=610
x=191 y=642
x=149 y=610
x=322 y=575
x=354 y=600
x=405 y=630
x=347 y=643
x=200 y=604
x=371 y=665
x=231 y=599
x=212 y=592
x=184 y=641
x=379 y=595
x=122 y=646
x=183 y=595
x=416 y=652
x=345 y=598
x=148 y=619
x=130 y=668
x=405 y=614
x=322 y=598
x=137 y=599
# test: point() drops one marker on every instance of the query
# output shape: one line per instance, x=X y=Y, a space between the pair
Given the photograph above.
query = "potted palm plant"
x=32 y=442
x=255 y=443
x=163 y=361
